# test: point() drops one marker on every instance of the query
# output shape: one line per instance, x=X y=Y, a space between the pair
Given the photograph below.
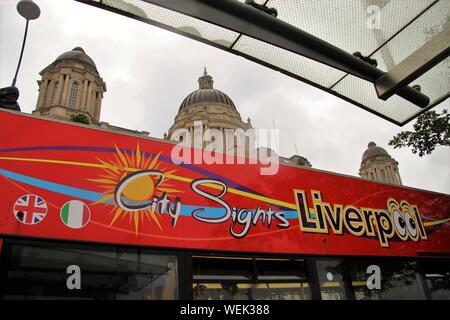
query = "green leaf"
x=430 y=131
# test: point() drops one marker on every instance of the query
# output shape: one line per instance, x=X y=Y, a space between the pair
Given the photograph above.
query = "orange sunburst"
x=148 y=181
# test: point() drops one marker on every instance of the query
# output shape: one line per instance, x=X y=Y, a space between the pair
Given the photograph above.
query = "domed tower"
x=71 y=85
x=379 y=166
x=212 y=107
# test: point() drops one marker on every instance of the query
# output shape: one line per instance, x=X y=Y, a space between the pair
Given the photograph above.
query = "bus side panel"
x=68 y=181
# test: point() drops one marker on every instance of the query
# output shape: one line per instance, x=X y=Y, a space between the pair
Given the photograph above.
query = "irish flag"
x=75 y=214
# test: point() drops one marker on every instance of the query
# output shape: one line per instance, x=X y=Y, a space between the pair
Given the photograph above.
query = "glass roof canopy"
x=314 y=41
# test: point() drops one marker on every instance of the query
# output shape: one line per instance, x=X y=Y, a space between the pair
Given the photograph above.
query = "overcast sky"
x=149 y=71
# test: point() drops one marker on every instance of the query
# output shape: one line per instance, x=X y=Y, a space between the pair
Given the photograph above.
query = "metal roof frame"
x=246 y=20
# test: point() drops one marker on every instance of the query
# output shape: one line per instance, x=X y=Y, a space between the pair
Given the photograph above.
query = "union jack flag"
x=30 y=209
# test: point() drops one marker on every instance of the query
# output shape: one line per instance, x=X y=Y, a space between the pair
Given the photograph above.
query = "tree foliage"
x=82 y=118
x=430 y=130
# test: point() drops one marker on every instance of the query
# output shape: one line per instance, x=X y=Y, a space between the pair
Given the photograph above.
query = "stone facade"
x=71 y=85
x=378 y=165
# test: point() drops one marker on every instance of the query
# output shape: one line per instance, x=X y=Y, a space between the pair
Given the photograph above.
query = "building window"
x=73 y=95
x=55 y=88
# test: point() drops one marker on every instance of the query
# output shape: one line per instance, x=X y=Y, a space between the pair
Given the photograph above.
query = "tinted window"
x=399 y=280
x=222 y=278
x=437 y=278
x=34 y=270
x=281 y=269
x=222 y=268
x=331 y=279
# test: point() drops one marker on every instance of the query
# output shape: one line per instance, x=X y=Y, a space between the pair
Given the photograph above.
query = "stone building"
x=217 y=112
x=71 y=85
x=297 y=160
x=378 y=165
x=208 y=107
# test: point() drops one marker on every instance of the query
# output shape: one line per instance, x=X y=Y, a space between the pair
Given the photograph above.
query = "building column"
x=44 y=98
x=390 y=175
x=83 y=95
x=65 y=93
x=49 y=94
x=191 y=132
x=99 y=106
x=394 y=176
x=92 y=104
x=399 y=178
x=42 y=93
x=89 y=99
x=59 y=89
x=88 y=96
x=224 y=140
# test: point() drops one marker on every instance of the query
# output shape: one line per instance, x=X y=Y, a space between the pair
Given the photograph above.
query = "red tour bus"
x=136 y=225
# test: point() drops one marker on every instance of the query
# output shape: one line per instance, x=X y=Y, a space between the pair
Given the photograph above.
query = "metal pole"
x=21 y=54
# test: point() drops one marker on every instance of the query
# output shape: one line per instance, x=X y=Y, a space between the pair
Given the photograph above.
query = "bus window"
x=437 y=278
x=224 y=268
x=217 y=278
x=281 y=269
x=223 y=278
x=40 y=270
x=331 y=279
x=284 y=279
x=223 y=290
x=399 y=280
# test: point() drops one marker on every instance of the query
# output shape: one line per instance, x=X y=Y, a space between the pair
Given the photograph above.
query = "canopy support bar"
x=244 y=19
x=419 y=62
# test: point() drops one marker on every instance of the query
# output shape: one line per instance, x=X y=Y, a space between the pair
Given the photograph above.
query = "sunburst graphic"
x=131 y=182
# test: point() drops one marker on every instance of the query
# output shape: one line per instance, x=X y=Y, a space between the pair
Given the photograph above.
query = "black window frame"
x=8 y=243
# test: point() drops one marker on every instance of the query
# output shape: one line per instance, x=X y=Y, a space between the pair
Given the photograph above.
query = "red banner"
x=68 y=181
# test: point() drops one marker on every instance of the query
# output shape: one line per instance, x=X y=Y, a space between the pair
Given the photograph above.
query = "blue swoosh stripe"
x=147 y=154
x=186 y=210
x=51 y=186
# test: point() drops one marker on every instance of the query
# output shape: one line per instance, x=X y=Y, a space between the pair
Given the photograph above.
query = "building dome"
x=76 y=53
x=210 y=111
x=206 y=94
x=373 y=150
x=69 y=86
x=378 y=165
